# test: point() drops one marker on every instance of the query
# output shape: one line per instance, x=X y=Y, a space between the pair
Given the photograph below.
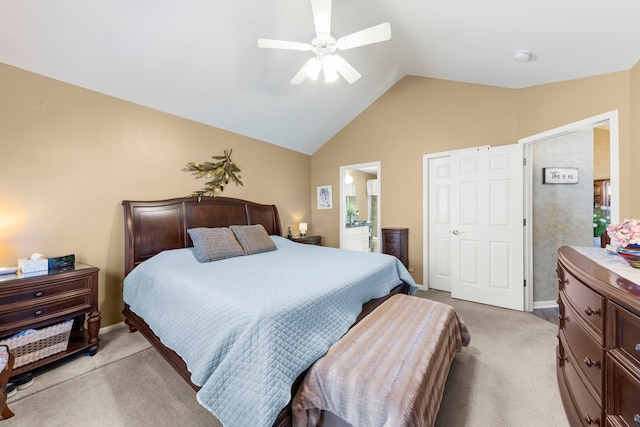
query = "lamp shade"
x=303 y=227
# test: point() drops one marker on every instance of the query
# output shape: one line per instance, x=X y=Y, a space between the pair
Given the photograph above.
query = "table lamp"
x=303 y=229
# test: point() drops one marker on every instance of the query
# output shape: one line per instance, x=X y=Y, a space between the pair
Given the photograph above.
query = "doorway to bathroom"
x=360 y=201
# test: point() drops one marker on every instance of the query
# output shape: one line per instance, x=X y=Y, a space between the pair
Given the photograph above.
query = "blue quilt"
x=248 y=326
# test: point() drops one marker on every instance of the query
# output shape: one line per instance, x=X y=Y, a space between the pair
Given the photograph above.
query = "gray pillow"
x=212 y=244
x=253 y=238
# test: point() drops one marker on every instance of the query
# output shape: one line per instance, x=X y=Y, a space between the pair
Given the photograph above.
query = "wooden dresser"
x=598 y=364
x=395 y=241
x=43 y=299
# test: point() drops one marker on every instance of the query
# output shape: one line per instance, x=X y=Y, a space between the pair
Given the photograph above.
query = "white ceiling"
x=199 y=59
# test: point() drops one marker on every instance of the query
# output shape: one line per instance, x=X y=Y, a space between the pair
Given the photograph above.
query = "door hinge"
x=524 y=222
x=525 y=282
x=524 y=161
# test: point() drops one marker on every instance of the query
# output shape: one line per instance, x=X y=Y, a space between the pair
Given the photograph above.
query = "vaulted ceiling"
x=199 y=59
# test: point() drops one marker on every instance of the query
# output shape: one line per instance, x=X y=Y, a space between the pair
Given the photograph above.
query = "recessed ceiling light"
x=522 y=56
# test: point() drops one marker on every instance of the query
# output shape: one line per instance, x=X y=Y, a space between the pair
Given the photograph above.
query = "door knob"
x=455 y=232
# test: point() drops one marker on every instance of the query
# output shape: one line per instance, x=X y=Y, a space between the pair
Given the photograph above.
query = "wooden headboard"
x=154 y=226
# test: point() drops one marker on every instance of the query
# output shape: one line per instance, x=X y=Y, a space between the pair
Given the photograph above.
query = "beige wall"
x=634 y=145
x=415 y=117
x=421 y=116
x=70 y=156
x=601 y=154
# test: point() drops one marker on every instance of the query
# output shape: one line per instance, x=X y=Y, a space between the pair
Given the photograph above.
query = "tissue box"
x=32 y=265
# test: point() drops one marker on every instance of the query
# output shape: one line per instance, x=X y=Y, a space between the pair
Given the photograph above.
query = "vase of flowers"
x=626 y=236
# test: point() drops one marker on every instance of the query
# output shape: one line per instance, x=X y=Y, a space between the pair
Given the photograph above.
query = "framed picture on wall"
x=559 y=175
x=325 y=197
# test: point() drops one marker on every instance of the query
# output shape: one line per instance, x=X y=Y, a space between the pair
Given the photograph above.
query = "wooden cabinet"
x=598 y=365
x=309 y=240
x=395 y=241
x=38 y=300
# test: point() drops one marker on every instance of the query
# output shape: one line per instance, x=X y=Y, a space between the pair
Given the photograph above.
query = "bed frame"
x=155 y=226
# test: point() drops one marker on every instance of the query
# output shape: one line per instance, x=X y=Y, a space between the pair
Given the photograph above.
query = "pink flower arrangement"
x=625 y=233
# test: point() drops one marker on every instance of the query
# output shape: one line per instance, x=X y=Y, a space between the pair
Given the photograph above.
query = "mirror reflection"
x=361 y=209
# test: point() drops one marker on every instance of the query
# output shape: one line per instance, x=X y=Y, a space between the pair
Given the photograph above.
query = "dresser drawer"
x=623 y=399
x=588 y=304
x=624 y=334
x=36 y=312
x=587 y=353
x=44 y=291
x=587 y=407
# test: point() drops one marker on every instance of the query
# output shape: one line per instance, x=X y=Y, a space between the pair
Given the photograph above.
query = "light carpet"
x=506 y=377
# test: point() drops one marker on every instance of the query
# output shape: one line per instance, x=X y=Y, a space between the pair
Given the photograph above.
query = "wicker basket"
x=40 y=343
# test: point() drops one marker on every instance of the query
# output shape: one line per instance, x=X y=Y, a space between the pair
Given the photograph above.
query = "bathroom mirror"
x=360 y=207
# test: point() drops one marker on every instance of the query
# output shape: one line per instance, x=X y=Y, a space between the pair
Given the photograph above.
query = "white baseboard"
x=545 y=304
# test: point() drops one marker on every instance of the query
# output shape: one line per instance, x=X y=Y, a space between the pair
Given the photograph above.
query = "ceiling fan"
x=323 y=45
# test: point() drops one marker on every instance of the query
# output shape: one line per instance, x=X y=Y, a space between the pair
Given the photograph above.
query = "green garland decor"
x=219 y=173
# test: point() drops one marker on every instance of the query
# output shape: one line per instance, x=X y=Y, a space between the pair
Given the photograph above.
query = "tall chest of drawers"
x=598 y=365
x=40 y=300
x=395 y=241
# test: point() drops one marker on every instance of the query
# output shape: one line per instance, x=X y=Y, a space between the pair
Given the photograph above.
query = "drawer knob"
x=590 y=362
x=589 y=420
x=636 y=418
x=38 y=294
x=38 y=312
x=589 y=311
x=638 y=349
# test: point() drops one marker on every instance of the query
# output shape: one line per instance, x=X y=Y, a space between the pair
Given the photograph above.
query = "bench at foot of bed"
x=389 y=369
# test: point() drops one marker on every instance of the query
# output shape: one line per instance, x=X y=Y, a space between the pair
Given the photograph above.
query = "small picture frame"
x=559 y=175
x=325 y=200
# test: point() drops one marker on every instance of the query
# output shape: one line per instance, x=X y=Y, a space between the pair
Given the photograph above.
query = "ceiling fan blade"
x=310 y=69
x=322 y=16
x=346 y=70
x=375 y=34
x=281 y=44
x=299 y=77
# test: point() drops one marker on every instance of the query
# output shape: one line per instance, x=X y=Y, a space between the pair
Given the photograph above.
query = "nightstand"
x=38 y=300
x=308 y=240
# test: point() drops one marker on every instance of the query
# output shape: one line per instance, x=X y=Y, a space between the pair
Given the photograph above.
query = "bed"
x=157 y=241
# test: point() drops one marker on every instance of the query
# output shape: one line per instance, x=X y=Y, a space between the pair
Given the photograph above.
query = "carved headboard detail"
x=154 y=226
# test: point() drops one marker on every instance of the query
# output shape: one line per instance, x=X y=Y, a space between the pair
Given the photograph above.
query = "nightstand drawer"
x=35 y=312
x=45 y=291
x=308 y=240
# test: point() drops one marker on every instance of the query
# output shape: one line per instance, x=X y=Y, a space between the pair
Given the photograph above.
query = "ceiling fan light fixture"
x=330 y=69
x=323 y=45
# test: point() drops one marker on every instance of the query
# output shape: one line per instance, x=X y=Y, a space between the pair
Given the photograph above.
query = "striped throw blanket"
x=388 y=370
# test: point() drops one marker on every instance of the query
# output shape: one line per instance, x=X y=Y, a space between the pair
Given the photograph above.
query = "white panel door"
x=439 y=205
x=487 y=235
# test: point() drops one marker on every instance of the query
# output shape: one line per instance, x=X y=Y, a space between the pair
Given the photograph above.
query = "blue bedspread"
x=248 y=326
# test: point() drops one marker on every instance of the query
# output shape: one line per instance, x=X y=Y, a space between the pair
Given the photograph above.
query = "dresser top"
x=607 y=273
